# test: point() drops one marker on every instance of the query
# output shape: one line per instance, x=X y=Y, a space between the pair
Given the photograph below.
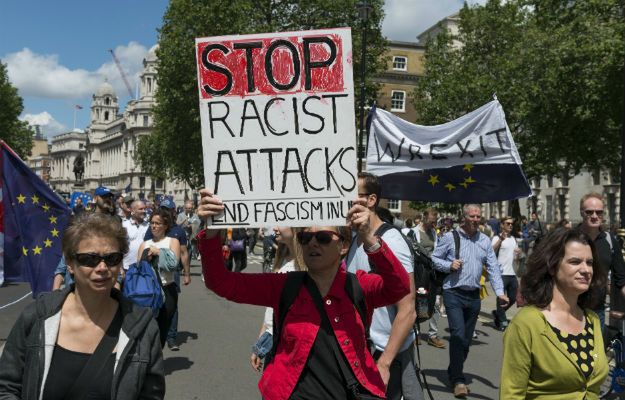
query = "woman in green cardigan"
x=553 y=348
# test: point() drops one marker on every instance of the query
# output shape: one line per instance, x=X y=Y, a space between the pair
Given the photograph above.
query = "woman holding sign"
x=321 y=351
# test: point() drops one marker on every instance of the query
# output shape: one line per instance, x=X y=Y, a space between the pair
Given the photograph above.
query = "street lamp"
x=363 y=13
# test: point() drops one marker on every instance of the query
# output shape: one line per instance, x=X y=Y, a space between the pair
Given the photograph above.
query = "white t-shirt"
x=166 y=276
x=287 y=267
x=382 y=321
x=136 y=232
x=506 y=254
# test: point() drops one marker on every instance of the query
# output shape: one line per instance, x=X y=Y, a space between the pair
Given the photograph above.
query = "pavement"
x=215 y=338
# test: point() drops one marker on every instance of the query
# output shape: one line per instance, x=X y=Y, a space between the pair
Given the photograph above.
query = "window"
x=596 y=177
x=107 y=101
x=398 y=101
x=149 y=85
x=145 y=120
x=565 y=179
x=106 y=115
x=142 y=181
x=549 y=181
x=399 y=63
x=159 y=183
x=394 y=205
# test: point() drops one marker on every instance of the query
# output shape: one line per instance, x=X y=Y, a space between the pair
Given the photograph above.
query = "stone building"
x=40 y=160
x=109 y=144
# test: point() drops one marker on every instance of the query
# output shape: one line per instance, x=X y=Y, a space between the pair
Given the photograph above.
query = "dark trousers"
x=167 y=312
x=510 y=287
x=462 y=307
x=237 y=261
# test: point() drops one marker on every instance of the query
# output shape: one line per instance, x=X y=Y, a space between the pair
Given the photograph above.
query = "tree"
x=14 y=132
x=175 y=147
x=556 y=67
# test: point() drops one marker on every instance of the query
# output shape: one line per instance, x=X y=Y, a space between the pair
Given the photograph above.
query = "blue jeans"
x=463 y=307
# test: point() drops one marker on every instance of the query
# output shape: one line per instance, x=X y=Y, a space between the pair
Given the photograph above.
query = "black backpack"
x=294 y=283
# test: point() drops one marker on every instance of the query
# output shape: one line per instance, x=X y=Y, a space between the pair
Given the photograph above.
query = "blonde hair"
x=282 y=252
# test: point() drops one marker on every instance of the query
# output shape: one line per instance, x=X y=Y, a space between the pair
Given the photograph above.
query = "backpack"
x=294 y=282
x=143 y=286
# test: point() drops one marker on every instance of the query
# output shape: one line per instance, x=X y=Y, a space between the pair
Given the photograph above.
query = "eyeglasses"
x=91 y=260
x=322 y=237
x=507 y=223
x=589 y=213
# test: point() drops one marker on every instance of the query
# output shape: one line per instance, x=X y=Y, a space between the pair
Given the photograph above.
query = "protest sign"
x=278 y=126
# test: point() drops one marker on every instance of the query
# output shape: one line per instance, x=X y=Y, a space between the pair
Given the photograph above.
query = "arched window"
x=106 y=115
x=107 y=101
x=149 y=85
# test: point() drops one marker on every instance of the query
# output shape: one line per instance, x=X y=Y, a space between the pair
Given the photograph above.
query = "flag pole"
x=74 y=118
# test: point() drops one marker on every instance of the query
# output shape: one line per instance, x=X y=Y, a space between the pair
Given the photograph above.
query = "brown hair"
x=90 y=225
x=587 y=196
x=371 y=185
x=542 y=266
x=165 y=217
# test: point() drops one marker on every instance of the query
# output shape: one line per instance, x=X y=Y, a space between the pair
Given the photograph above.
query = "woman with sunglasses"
x=318 y=353
x=160 y=222
x=85 y=341
x=289 y=258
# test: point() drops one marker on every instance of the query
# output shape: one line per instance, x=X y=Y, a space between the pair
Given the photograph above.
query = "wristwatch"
x=375 y=247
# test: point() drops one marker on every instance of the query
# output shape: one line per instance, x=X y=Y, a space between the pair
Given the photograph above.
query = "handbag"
x=93 y=368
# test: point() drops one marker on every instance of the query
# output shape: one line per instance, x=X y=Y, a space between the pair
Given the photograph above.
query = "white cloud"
x=406 y=19
x=49 y=126
x=42 y=75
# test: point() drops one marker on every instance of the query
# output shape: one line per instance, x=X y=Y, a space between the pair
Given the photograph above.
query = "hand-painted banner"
x=278 y=132
x=470 y=159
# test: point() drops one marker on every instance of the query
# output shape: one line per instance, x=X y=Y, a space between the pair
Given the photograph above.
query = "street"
x=215 y=338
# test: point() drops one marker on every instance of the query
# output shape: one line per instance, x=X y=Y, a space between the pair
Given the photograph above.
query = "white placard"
x=278 y=126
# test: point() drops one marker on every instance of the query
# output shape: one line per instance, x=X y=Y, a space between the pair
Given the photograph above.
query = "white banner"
x=480 y=137
x=278 y=132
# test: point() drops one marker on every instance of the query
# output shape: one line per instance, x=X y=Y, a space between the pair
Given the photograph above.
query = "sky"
x=57 y=52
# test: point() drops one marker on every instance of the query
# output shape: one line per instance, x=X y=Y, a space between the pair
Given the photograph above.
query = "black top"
x=321 y=378
x=66 y=365
x=580 y=346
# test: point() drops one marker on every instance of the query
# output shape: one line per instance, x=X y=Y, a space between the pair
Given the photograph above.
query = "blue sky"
x=57 y=51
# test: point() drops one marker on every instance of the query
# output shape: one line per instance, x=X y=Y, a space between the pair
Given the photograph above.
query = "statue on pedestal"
x=79 y=168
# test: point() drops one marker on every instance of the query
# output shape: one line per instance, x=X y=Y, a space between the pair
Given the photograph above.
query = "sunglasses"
x=507 y=223
x=589 y=213
x=322 y=237
x=91 y=260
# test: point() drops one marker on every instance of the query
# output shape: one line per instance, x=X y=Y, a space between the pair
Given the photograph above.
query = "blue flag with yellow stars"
x=33 y=218
x=472 y=159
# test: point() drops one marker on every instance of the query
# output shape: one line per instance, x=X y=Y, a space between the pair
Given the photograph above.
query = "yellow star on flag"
x=35 y=199
x=433 y=180
x=464 y=185
x=24 y=251
x=54 y=232
x=450 y=187
x=45 y=207
x=468 y=167
x=21 y=199
x=52 y=219
x=37 y=250
x=47 y=243
x=470 y=180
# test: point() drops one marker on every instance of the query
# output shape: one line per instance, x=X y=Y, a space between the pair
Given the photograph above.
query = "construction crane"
x=121 y=72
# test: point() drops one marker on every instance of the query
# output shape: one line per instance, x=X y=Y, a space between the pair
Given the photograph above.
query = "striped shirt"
x=475 y=252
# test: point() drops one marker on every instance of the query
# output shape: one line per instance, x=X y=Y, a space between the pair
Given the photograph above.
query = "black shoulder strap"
x=92 y=369
x=290 y=290
x=456 y=244
x=356 y=295
x=351 y=381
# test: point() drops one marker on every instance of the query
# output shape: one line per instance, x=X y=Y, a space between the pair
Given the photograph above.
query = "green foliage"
x=556 y=67
x=14 y=132
x=175 y=147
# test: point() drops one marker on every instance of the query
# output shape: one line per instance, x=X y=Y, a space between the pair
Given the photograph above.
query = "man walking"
x=507 y=251
x=426 y=236
x=136 y=227
x=391 y=327
x=190 y=223
x=607 y=248
x=461 y=288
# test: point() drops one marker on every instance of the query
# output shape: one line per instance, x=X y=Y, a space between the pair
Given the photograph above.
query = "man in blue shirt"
x=461 y=288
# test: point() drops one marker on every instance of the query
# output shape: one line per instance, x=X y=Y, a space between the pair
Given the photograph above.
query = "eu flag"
x=472 y=159
x=33 y=218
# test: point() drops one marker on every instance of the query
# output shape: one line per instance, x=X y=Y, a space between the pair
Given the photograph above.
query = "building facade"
x=40 y=161
x=109 y=145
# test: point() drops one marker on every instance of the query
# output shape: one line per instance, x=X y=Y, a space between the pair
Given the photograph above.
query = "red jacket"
x=387 y=286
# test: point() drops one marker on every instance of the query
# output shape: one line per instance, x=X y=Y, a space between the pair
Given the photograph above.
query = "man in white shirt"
x=391 y=327
x=507 y=252
x=136 y=226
